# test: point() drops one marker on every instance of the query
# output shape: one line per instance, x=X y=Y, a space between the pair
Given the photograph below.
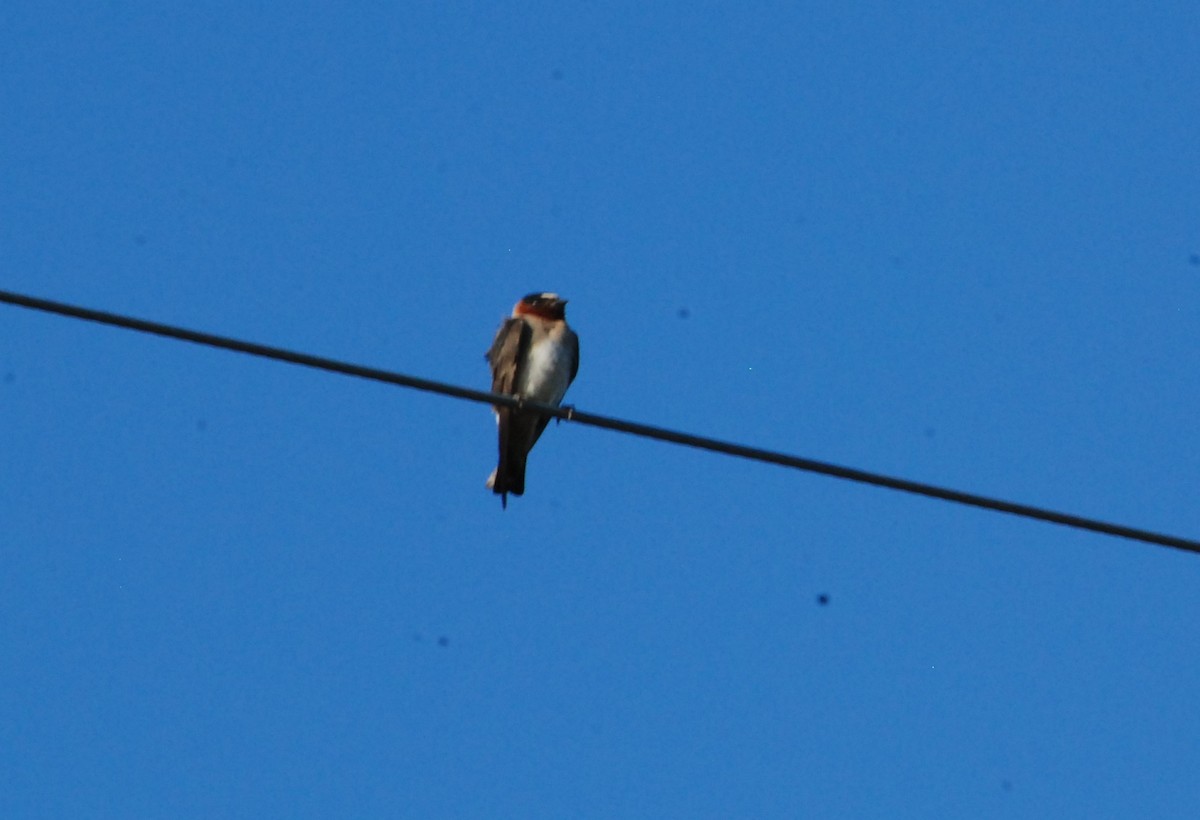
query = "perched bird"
x=534 y=356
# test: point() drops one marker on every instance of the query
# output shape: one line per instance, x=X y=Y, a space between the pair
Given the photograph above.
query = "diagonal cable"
x=606 y=422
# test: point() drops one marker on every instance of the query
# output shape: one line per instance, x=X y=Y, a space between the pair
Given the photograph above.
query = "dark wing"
x=572 y=341
x=515 y=429
x=508 y=348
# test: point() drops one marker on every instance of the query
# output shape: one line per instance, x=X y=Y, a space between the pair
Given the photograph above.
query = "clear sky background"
x=956 y=242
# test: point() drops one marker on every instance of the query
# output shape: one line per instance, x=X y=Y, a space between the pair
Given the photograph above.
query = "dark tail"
x=516 y=437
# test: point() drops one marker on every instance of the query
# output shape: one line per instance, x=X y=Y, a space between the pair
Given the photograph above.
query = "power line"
x=606 y=422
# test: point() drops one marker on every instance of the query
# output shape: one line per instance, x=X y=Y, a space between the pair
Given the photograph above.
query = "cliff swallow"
x=535 y=356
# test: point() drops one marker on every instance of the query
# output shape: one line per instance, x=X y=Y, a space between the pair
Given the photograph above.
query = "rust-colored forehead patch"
x=542 y=305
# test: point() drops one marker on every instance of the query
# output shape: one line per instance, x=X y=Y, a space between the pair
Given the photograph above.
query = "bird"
x=535 y=356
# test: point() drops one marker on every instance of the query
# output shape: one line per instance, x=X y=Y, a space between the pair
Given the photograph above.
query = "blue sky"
x=953 y=242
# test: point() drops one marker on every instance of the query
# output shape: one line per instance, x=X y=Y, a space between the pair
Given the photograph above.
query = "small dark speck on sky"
x=823 y=599
x=1194 y=259
x=683 y=313
x=930 y=432
x=9 y=378
x=139 y=240
x=1006 y=785
x=556 y=74
x=443 y=641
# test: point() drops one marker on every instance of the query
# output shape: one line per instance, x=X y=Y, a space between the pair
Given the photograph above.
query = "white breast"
x=547 y=372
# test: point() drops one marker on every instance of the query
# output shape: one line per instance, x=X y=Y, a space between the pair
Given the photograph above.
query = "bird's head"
x=542 y=305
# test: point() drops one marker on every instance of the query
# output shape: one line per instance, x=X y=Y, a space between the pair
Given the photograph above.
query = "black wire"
x=571 y=414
